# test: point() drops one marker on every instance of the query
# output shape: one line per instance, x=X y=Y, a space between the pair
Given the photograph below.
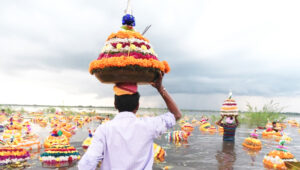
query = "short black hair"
x=127 y=102
x=273 y=122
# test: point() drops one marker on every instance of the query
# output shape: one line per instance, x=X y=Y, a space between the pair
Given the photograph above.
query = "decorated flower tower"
x=253 y=142
x=56 y=138
x=276 y=159
x=127 y=56
x=58 y=152
x=59 y=156
x=229 y=107
x=159 y=153
x=10 y=154
x=88 y=141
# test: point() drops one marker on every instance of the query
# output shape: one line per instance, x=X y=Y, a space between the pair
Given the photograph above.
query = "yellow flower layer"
x=12 y=153
x=229 y=108
x=127 y=34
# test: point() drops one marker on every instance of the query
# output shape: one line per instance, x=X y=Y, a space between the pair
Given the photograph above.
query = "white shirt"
x=126 y=142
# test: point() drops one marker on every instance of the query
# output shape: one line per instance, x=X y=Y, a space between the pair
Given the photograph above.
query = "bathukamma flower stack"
x=60 y=155
x=229 y=107
x=11 y=155
x=127 y=56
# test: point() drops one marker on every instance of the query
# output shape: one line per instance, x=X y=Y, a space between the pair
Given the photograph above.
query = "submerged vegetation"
x=269 y=112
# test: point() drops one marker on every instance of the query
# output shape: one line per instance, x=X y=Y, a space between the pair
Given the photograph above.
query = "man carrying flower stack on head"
x=229 y=126
x=126 y=142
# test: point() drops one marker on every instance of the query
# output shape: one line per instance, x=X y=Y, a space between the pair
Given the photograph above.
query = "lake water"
x=205 y=151
x=202 y=151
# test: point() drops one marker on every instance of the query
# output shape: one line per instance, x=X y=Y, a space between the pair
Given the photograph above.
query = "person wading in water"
x=229 y=127
x=126 y=142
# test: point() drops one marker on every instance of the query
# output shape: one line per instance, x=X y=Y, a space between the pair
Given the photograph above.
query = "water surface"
x=202 y=151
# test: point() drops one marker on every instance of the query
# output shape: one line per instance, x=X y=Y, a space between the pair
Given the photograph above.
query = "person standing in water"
x=229 y=127
x=2 y=112
x=274 y=127
x=126 y=142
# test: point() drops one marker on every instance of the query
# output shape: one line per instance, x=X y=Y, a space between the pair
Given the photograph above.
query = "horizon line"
x=111 y=107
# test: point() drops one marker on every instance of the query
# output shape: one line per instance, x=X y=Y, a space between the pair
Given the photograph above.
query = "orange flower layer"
x=229 y=108
x=127 y=61
x=281 y=154
x=127 y=34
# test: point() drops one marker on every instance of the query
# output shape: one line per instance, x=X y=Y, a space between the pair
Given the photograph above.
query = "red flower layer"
x=11 y=150
x=124 y=44
x=133 y=54
x=60 y=150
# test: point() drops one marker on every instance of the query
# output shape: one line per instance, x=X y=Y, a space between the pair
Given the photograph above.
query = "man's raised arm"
x=172 y=107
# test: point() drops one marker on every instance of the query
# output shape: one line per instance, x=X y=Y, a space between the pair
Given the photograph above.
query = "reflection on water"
x=227 y=156
x=252 y=153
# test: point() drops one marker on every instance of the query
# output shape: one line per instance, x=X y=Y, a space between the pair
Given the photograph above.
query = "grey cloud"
x=72 y=41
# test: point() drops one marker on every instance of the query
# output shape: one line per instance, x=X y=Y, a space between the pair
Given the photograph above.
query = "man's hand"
x=158 y=82
x=172 y=107
x=236 y=119
x=219 y=122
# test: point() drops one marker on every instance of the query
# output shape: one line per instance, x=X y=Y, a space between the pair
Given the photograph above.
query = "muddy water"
x=202 y=151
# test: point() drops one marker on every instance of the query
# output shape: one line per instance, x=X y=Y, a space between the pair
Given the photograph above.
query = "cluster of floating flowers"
x=159 y=153
x=252 y=142
x=177 y=136
x=60 y=154
x=276 y=159
x=10 y=155
x=88 y=141
x=274 y=162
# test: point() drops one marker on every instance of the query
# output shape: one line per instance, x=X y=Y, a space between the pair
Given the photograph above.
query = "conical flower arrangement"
x=59 y=156
x=229 y=107
x=127 y=56
x=11 y=155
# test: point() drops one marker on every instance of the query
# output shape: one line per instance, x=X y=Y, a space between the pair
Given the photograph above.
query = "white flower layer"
x=61 y=158
x=275 y=160
x=290 y=160
x=229 y=113
x=8 y=161
x=109 y=49
x=156 y=151
x=226 y=102
x=231 y=110
x=130 y=40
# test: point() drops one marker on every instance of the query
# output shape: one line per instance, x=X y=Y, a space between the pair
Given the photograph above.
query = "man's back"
x=129 y=143
x=126 y=142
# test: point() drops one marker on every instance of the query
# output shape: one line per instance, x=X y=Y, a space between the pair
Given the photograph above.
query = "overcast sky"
x=249 y=47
